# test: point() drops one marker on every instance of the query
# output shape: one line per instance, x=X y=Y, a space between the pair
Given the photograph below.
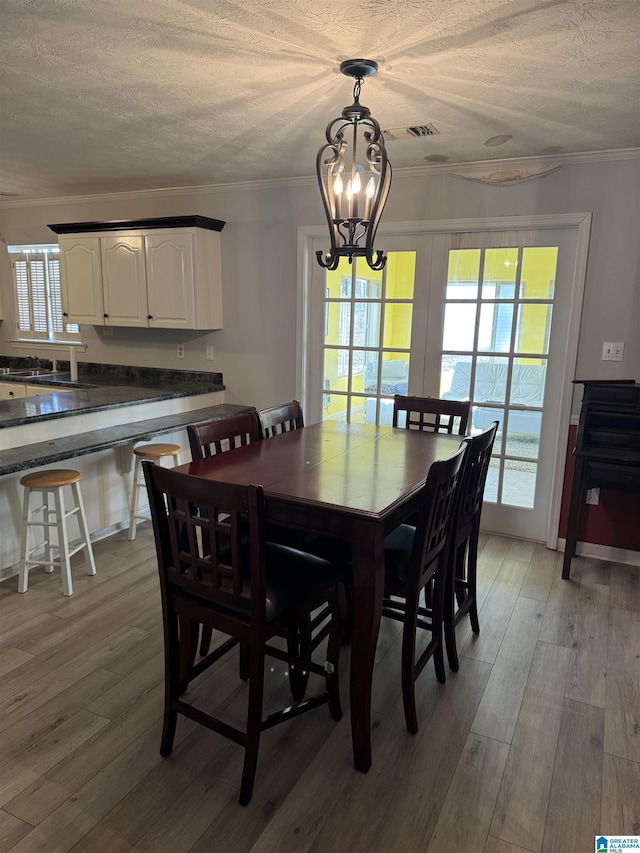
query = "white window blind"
x=38 y=297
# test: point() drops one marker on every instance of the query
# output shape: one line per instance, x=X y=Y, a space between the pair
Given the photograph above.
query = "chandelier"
x=354 y=175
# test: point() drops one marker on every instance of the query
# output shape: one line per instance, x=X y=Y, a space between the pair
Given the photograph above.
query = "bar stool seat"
x=51 y=515
x=154 y=452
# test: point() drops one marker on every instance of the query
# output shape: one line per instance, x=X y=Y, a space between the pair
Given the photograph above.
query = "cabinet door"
x=170 y=279
x=123 y=278
x=81 y=280
x=11 y=391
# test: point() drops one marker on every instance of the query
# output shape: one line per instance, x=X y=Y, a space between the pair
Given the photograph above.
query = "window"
x=37 y=295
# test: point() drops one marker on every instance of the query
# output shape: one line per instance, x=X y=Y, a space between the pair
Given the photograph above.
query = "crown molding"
x=470 y=167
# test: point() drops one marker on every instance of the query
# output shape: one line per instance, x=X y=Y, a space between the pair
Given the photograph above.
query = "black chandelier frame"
x=353 y=222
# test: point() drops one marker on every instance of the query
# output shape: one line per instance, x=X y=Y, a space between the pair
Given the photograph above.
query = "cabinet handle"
x=149 y=316
x=64 y=314
x=106 y=316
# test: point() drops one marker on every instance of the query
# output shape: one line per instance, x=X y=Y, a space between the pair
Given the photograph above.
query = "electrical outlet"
x=593 y=496
x=209 y=354
x=612 y=351
x=180 y=351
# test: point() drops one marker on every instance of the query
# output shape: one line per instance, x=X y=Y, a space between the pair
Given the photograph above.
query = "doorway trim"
x=579 y=221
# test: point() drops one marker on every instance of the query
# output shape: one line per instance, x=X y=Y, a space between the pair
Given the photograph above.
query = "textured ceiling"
x=116 y=95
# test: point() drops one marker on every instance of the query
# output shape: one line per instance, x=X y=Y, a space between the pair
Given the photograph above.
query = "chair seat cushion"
x=294 y=578
x=397 y=553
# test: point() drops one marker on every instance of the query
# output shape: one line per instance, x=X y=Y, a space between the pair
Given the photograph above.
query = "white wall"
x=256 y=351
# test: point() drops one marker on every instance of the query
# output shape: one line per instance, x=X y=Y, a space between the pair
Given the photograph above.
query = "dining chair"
x=212 y=573
x=415 y=557
x=461 y=597
x=279 y=419
x=209 y=438
x=215 y=436
x=431 y=414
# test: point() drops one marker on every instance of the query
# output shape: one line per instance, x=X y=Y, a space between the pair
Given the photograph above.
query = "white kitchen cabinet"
x=124 y=280
x=81 y=279
x=12 y=391
x=159 y=277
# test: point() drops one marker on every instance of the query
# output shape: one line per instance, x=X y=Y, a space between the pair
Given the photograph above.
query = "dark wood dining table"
x=350 y=481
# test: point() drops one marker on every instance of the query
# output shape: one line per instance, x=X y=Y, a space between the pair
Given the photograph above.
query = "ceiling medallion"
x=354 y=175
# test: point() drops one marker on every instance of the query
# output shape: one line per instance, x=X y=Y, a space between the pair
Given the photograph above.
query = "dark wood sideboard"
x=607 y=451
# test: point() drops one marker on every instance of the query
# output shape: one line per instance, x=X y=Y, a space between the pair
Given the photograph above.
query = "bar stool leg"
x=46 y=517
x=63 y=540
x=23 y=578
x=134 y=499
x=84 y=529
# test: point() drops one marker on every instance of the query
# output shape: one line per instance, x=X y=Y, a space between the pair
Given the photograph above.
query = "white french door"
x=485 y=315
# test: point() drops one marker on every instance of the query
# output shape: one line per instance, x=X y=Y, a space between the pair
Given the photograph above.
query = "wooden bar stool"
x=52 y=514
x=154 y=453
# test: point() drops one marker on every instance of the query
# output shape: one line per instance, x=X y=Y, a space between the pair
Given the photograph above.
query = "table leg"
x=368 y=589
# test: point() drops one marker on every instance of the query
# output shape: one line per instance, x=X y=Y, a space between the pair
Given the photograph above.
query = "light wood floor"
x=534 y=745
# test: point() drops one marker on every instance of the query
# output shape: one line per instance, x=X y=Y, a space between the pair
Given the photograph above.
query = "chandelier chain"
x=357 y=88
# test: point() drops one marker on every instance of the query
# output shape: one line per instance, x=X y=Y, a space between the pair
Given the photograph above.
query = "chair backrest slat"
x=479 y=449
x=437 y=504
x=431 y=414
x=209 y=538
x=279 y=419
x=208 y=438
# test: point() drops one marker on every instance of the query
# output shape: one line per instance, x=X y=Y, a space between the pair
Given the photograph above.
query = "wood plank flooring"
x=532 y=747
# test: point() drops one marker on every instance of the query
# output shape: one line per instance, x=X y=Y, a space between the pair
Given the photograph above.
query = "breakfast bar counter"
x=92 y=426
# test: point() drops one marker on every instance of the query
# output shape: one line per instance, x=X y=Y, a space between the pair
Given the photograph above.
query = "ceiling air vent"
x=415 y=132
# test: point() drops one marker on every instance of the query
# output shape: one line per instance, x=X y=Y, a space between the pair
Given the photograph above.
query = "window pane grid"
x=367 y=338
x=495 y=344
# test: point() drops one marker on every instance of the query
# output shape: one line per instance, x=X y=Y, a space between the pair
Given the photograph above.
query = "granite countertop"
x=47 y=452
x=98 y=387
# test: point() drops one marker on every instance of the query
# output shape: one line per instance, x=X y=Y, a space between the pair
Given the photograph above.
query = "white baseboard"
x=604 y=552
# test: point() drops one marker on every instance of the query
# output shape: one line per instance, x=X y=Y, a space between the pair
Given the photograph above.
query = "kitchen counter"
x=40 y=453
x=93 y=427
x=100 y=387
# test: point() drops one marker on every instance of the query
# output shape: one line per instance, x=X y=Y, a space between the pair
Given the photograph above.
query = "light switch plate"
x=613 y=351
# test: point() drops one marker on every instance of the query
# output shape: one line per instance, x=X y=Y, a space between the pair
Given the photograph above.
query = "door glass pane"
x=523 y=438
x=491 y=381
x=367 y=338
x=500 y=268
x=528 y=383
x=357 y=371
x=496 y=320
x=519 y=483
x=459 y=326
x=400 y=274
x=397 y=325
x=538 y=277
x=455 y=377
x=463 y=274
x=533 y=328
